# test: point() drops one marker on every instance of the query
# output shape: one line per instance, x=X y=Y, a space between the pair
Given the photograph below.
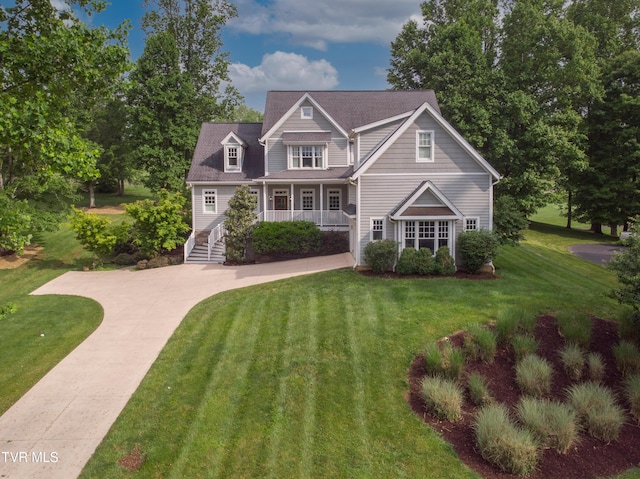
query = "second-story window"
x=306 y=156
x=232 y=157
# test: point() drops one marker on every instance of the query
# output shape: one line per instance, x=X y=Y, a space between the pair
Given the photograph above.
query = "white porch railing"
x=216 y=235
x=321 y=218
x=189 y=245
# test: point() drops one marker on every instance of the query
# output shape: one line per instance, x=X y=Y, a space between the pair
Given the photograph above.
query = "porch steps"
x=199 y=254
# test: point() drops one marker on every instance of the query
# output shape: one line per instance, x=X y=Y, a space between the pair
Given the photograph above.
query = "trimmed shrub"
x=553 y=424
x=381 y=255
x=445 y=264
x=443 y=398
x=632 y=392
x=627 y=357
x=595 y=367
x=407 y=262
x=572 y=358
x=286 y=237
x=478 y=389
x=501 y=442
x=425 y=264
x=523 y=345
x=575 y=327
x=335 y=242
x=597 y=410
x=477 y=248
x=533 y=375
x=480 y=343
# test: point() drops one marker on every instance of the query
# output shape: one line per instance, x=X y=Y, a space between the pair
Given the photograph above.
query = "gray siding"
x=370 y=140
x=207 y=221
x=449 y=156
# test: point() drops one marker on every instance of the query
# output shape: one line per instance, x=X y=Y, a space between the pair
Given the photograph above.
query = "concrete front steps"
x=199 y=254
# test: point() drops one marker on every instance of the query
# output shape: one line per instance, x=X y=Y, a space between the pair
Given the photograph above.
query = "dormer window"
x=233 y=152
x=306 y=113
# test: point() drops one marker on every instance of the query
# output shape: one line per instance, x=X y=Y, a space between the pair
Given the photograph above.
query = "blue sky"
x=297 y=44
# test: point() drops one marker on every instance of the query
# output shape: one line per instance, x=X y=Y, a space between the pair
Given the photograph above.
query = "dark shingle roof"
x=350 y=109
x=208 y=158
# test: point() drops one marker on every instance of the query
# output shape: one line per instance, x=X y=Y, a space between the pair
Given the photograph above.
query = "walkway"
x=596 y=253
x=53 y=430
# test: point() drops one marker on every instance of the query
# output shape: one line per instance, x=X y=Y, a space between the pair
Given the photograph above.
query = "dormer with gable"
x=234 y=148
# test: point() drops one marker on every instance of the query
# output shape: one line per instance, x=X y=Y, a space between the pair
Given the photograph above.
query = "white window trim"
x=477 y=220
x=256 y=193
x=308 y=192
x=306 y=112
x=323 y=149
x=240 y=152
x=384 y=224
x=431 y=159
x=339 y=195
x=436 y=233
x=209 y=192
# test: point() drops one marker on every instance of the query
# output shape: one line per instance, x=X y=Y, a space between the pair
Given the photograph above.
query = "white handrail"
x=216 y=235
x=325 y=217
x=189 y=245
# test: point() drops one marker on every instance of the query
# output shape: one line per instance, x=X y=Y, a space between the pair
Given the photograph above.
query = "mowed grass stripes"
x=306 y=377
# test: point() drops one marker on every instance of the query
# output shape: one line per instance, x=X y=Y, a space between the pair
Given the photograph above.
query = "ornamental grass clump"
x=533 y=375
x=504 y=444
x=480 y=343
x=513 y=322
x=575 y=327
x=443 y=398
x=572 y=358
x=597 y=410
x=627 y=357
x=595 y=367
x=553 y=424
x=433 y=359
x=446 y=361
x=478 y=389
x=523 y=345
x=632 y=392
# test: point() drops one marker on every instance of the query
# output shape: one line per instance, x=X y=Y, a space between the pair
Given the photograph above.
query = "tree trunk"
x=92 y=195
x=569 y=206
x=614 y=229
x=596 y=228
x=120 y=187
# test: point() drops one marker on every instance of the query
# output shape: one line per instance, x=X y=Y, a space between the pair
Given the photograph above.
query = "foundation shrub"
x=503 y=443
x=425 y=263
x=553 y=424
x=477 y=248
x=445 y=264
x=597 y=410
x=286 y=237
x=443 y=398
x=381 y=255
x=533 y=375
x=407 y=262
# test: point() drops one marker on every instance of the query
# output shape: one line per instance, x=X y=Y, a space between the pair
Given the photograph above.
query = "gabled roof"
x=348 y=109
x=408 y=209
x=208 y=157
x=435 y=114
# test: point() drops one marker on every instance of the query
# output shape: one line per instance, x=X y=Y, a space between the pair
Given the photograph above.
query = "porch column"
x=291 y=201
x=321 y=205
x=265 y=205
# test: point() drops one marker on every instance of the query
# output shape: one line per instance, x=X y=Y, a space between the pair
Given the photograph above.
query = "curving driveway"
x=596 y=253
x=53 y=430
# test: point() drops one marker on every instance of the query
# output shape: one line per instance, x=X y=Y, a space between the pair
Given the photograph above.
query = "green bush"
x=97 y=233
x=597 y=410
x=553 y=424
x=508 y=220
x=480 y=343
x=407 y=262
x=425 y=263
x=502 y=443
x=573 y=361
x=381 y=255
x=627 y=357
x=523 y=345
x=478 y=389
x=477 y=248
x=286 y=237
x=595 y=367
x=443 y=398
x=632 y=392
x=445 y=264
x=533 y=375
x=575 y=327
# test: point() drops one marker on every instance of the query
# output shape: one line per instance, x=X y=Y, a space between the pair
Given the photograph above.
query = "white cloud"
x=315 y=24
x=283 y=71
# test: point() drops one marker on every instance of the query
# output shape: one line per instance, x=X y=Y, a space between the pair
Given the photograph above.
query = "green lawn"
x=306 y=377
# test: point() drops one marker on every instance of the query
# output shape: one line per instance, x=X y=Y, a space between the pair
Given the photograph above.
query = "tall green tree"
x=50 y=62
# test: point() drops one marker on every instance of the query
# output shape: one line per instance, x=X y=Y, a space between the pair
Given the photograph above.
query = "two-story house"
x=379 y=164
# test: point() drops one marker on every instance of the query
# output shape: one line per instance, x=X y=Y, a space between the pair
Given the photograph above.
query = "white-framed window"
x=334 y=200
x=306 y=113
x=233 y=157
x=307 y=199
x=256 y=194
x=424 y=146
x=377 y=229
x=427 y=234
x=471 y=224
x=306 y=156
x=209 y=201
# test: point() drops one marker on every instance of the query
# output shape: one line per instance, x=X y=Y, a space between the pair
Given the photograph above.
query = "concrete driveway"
x=596 y=253
x=53 y=430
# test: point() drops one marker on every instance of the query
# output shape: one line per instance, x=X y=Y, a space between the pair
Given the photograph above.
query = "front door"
x=281 y=200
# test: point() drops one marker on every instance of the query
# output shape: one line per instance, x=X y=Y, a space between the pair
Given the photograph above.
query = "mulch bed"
x=590 y=458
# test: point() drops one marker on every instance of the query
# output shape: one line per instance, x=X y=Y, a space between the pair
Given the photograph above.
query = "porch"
x=327 y=219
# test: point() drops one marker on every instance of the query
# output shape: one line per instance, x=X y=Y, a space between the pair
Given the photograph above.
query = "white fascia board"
x=391 y=119
x=295 y=108
x=235 y=137
x=309 y=181
x=437 y=193
x=221 y=183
